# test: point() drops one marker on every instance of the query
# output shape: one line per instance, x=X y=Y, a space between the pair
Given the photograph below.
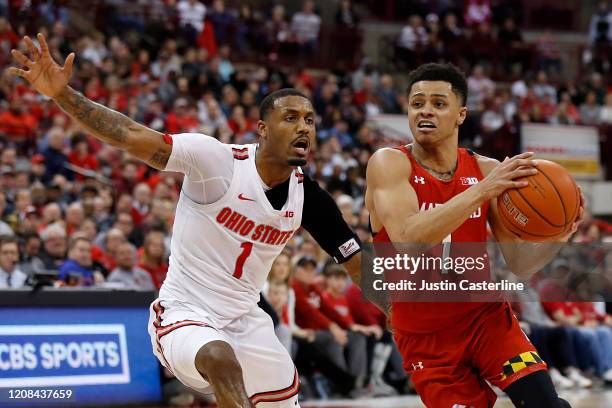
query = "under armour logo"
x=418 y=366
x=419 y=180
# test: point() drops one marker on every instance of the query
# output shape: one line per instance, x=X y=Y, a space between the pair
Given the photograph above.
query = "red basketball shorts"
x=449 y=366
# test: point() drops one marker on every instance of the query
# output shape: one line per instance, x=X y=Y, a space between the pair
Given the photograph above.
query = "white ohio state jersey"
x=222 y=252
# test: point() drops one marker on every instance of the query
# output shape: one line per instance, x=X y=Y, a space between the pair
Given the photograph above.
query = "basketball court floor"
x=577 y=398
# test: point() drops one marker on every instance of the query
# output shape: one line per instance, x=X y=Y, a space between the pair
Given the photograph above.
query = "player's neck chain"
x=441 y=175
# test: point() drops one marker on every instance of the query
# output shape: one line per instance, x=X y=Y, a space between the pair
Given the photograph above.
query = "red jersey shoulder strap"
x=469 y=161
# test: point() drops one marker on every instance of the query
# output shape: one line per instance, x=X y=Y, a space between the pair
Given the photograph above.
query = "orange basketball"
x=545 y=209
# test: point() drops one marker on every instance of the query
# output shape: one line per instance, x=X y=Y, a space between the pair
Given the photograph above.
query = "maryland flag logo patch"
x=516 y=364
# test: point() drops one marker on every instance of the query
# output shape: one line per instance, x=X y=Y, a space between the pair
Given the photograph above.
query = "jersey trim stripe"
x=159 y=310
x=278 y=395
x=162 y=331
x=168 y=139
x=240 y=154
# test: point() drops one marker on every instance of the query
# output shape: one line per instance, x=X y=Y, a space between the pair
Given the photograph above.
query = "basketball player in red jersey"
x=452 y=348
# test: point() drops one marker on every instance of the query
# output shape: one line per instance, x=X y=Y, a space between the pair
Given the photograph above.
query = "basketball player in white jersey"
x=238 y=207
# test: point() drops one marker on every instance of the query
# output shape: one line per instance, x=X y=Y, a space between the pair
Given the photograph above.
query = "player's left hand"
x=579 y=218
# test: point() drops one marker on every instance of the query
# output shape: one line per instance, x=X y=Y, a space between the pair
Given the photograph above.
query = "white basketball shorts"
x=177 y=334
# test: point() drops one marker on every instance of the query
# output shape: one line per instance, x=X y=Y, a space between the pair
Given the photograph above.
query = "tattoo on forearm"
x=160 y=158
x=110 y=126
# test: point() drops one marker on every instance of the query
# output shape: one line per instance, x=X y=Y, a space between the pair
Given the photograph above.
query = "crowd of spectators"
x=74 y=212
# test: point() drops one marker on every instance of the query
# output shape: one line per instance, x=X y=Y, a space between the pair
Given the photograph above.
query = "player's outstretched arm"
x=112 y=127
x=523 y=258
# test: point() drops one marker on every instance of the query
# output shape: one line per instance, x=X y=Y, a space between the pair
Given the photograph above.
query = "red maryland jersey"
x=430 y=316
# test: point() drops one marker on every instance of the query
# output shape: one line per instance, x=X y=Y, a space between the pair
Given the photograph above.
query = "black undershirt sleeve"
x=323 y=220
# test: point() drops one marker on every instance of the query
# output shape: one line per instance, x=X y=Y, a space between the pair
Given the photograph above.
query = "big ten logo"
x=289 y=214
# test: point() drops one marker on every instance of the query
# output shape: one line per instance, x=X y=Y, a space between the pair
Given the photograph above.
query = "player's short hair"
x=441 y=72
x=267 y=104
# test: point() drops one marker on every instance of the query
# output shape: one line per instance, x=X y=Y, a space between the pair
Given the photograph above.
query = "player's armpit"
x=390 y=198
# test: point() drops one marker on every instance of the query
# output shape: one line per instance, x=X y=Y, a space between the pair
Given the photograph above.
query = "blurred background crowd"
x=75 y=212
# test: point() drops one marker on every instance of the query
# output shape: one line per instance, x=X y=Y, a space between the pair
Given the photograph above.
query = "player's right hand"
x=44 y=74
x=505 y=175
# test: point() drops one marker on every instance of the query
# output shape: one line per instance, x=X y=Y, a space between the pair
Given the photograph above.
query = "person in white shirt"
x=10 y=275
x=305 y=25
x=238 y=207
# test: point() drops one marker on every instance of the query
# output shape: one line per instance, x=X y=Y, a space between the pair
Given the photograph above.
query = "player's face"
x=434 y=111
x=289 y=129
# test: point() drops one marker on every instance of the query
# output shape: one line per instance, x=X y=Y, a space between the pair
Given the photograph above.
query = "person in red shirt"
x=152 y=257
x=16 y=124
x=335 y=335
x=80 y=155
x=433 y=192
x=379 y=349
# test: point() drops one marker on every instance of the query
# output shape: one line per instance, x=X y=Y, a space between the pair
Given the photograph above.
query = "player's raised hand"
x=44 y=74
x=505 y=175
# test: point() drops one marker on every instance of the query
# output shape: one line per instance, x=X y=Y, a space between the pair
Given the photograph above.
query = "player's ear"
x=262 y=129
x=462 y=115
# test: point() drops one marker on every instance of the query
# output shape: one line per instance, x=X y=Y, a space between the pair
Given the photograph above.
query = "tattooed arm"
x=115 y=128
x=112 y=127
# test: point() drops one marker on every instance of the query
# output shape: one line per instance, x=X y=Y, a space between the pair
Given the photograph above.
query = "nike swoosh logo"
x=242 y=197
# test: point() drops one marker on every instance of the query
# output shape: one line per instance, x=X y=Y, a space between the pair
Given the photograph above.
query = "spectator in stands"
x=277 y=31
x=127 y=274
x=8 y=38
x=509 y=35
x=548 y=53
x=17 y=124
x=77 y=270
x=450 y=33
x=555 y=343
x=600 y=27
x=142 y=202
x=75 y=215
x=334 y=335
x=606 y=110
x=277 y=296
x=109 y=241
x=477 y=12
x=11 y=275
x=125 y=223
x=5 y=229
x=412 y=39
x=153 y=257
x=543 y=88
x=54 y=247
x=346 y=16
x=191 y=14
x=305 y=26
x=589 y=110
x=55 y=158
x=81 y=156
x=388 y=95
x=335 y=294
x=592 y=343
x=480 y=87
x=223 y=21
x=596 y=84
x=567 y=113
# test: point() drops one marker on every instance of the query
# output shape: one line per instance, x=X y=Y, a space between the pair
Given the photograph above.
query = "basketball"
x=545 y=209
